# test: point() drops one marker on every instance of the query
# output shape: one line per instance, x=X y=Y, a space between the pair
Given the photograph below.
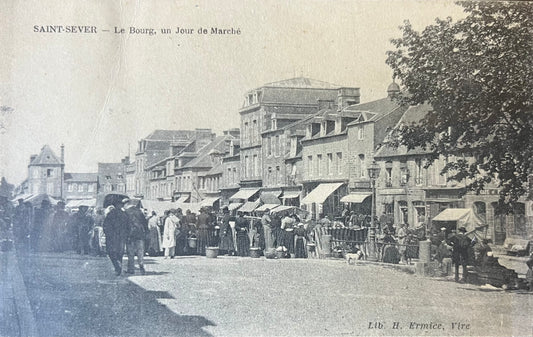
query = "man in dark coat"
x=116 y=228
x=40 y=237
x=460 y=244
x=137 y=234
x=83 y=224
x=60 y=223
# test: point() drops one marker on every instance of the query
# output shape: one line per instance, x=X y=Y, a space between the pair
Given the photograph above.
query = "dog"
x=351 y=258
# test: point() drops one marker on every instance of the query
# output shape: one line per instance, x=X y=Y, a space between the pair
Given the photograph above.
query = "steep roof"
x=412 y=115
x=296 y=96
x=90 y=177
x=302 y=82
x=46 y=157
x=170 y=135
x=203 y=159
x=372 y=110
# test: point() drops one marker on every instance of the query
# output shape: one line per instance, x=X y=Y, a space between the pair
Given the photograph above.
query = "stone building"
x=159 y=147
x=410 y=190
x=112 y=178
x=339 y=145
x=81 y=187
x=46 y=173
x=272 y=107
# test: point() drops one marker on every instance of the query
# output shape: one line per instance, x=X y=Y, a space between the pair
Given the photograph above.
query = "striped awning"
x=321 y=193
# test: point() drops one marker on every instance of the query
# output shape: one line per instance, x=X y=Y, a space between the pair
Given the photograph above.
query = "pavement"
x=65 y=294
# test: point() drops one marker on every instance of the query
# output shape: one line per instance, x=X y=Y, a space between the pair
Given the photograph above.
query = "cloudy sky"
x=100 y=93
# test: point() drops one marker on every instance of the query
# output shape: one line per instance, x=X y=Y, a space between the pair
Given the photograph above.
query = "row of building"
x=301 y=142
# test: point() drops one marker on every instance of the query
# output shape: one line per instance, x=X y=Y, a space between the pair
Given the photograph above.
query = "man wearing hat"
x=60 y=225
x=460 y=244
x=136 y=236
x=116 y=228
x=83 y=224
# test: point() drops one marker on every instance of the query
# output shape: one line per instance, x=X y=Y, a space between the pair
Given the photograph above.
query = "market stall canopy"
x=264 y=207
x=321 y=193
x=36 y=200
x=78 y=203
x=291 y=195
x=283 y=208
x=250 y=206
x=22 y=196
x=158 y=206
x=234 y=205
x=245 y=193
x=356 y=198
x=465 y=217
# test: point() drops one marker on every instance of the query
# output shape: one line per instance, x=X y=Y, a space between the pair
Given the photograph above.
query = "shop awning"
x=209 y=201
x=355 y=198
x=250 y=206
x=452 y=214
x=245 y=193
x=182 y=199
x=321 y=193
x=158 y=206
x=291 y=195
x=36 y=200
x=234 y=205
x=270 y=197
x=264 y=207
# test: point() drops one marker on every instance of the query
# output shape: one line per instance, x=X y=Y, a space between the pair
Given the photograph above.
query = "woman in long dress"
x=154 y=235
x=226 y=234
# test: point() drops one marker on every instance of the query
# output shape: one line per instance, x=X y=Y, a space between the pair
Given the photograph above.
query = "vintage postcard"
x=266 y=168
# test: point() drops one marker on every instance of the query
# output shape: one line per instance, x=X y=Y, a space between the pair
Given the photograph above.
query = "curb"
x=26 y=319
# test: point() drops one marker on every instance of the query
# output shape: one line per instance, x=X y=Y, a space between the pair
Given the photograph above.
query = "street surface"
x=73 y=295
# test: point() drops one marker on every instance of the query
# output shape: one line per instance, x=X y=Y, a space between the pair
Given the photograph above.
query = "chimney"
x=32 y=157
x=347 y=97
x=63 y=153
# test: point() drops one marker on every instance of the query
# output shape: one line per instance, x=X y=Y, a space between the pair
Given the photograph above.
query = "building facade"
x=46 y=173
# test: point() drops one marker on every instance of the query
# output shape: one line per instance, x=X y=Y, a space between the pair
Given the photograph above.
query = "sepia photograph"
x=266 y=168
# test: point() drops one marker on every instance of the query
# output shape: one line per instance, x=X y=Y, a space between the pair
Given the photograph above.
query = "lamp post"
x=373 y=174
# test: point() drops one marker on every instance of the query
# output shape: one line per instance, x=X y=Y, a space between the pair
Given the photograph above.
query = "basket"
x=211 y=252
x=311 y=247
x=255 y=252
x=193 y=242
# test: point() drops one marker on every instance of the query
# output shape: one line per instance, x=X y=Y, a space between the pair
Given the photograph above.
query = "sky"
x=99 y=93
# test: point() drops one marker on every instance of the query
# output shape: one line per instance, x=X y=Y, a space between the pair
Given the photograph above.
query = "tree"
x=477 y=74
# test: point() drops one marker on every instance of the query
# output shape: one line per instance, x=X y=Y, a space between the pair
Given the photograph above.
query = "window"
x=329 y=167
x=70 y=188
x=246 y=166
x=310 y=165
x=254 y=130
x=418 y=171
x=256 y=166
x=361 y=133
x=339 y=162
x=269 y=174
x=90 y=188
x=80 y=188
x=74 y=187
x=108 y=177
x=277 y=150
x=389 y=208
x=269 y=146
x=50 y=172
x=278 y=175
x=362 y=166
x=50 y=188
x=319 y=165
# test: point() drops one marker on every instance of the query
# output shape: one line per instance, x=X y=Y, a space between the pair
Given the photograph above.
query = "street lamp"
x=373 y=174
